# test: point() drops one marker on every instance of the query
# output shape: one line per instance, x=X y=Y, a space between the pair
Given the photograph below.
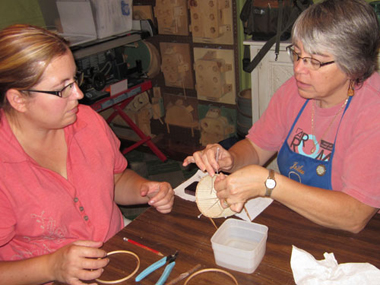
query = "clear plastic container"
x=239 y=245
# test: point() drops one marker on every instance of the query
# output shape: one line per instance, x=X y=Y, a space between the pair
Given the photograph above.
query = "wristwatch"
x=270 y=183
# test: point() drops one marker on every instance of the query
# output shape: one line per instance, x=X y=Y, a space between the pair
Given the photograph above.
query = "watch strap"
x=268 y=192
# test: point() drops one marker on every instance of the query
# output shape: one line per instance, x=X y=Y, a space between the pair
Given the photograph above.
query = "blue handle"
x=165 y=275
x=150 y=269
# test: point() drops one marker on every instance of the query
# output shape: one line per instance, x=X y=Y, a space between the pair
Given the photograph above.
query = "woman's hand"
x=80 y=260
x=160 y=194
x=212 y=159
x=234 y=190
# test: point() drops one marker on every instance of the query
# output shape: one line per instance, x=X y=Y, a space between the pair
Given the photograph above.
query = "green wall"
x=29 y=12
x=20 y=12
x=245 y=78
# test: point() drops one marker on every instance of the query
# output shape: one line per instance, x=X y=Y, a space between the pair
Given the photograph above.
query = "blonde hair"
x=25 y=52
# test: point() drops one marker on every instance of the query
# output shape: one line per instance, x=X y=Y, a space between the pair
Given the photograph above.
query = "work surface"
x=182 y=230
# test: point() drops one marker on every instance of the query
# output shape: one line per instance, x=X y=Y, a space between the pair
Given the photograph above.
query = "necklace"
x=328 y=128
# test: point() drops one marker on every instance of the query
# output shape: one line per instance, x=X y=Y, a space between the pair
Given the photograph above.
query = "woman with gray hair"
x=323 y=124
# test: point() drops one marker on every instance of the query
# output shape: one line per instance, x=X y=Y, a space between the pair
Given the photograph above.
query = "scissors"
x=170 y=259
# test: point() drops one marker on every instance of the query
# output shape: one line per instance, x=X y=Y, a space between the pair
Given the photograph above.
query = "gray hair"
x=346 y=29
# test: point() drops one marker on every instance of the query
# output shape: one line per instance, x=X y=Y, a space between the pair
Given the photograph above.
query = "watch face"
x=270 y=183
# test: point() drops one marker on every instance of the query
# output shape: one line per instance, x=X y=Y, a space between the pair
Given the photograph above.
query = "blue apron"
x=305 y=169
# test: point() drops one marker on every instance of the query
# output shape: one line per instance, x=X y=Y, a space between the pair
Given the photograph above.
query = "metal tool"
x=217 y=171
x=184 y=275
x=170 y=259
x=217 y=158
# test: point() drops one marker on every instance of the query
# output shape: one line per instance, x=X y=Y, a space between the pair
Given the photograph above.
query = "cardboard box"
x=112 y=17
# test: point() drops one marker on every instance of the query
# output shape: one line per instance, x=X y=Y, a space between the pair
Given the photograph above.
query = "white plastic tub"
x=239 y=245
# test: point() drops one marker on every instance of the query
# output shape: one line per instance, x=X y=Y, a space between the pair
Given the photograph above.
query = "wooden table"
x=182 y=230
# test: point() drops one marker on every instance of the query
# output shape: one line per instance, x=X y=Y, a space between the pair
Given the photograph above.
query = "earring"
x=351 y=89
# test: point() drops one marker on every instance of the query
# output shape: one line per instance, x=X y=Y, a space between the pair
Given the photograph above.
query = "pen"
x=142 y=246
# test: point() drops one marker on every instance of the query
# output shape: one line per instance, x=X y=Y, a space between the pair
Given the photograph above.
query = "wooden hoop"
x=211 y=270
x=207 y=201
x=127 y=277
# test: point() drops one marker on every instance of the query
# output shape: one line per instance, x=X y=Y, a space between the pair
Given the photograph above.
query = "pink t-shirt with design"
x=40 y=211
x=356 y=163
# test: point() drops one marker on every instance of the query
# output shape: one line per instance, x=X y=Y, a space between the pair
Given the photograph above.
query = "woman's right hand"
x=80 y=260
x=212 y=159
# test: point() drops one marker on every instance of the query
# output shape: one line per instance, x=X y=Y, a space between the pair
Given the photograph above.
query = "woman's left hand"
x=240 y=186
x=160 y=194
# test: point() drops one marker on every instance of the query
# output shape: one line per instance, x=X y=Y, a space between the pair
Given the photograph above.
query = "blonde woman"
x=62 y=174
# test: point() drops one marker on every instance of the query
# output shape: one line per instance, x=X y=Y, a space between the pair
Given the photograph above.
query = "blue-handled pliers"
x=170 y=259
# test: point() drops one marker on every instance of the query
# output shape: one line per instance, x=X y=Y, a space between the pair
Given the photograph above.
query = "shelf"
x=108 y=102
x=102 y=45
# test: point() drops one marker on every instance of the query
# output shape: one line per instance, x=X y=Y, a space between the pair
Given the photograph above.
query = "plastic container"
x=239 y=245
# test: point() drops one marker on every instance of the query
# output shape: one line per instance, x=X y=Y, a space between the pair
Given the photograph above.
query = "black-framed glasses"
x=64 y=92
x=313 y=63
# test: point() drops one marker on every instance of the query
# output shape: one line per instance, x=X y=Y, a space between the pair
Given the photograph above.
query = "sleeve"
x=120 y=160
x=360 y=171
x=97 y=121
x=270 y=131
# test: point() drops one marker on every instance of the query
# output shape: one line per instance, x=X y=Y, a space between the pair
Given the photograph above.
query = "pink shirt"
x=356 y=163
x=40 y=211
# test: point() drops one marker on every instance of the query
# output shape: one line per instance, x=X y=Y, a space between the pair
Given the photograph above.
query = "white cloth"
x=308 y=271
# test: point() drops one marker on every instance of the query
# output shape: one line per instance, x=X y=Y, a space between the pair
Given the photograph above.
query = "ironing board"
x=118 y=102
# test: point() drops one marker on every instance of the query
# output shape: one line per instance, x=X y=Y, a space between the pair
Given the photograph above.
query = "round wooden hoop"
x=127 y=277
x=207 y=201
x=211 y=270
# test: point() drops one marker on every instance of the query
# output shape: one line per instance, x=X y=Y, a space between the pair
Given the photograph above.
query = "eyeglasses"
x=64 y=92
x=313 y=63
